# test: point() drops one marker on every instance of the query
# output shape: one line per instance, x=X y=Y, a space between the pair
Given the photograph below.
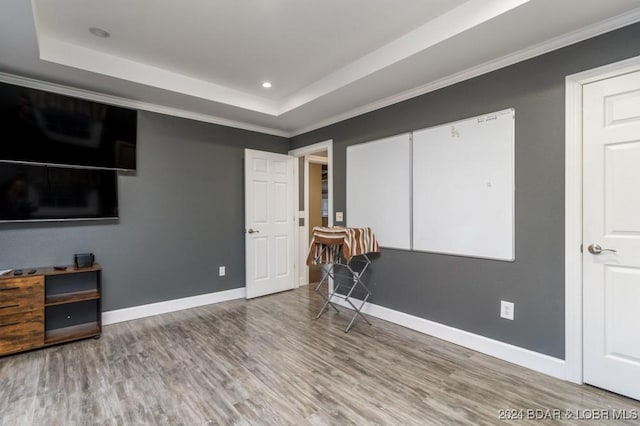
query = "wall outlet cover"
x=222 y=271
x=339 y=216
x=507 y=309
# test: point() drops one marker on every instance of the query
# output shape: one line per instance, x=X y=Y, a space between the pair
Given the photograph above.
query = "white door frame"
x=303 y=152
x=312 y=159
x=573 y=207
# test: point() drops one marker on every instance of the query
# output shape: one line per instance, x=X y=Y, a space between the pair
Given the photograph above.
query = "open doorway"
x=315 y=192
x=316 y=211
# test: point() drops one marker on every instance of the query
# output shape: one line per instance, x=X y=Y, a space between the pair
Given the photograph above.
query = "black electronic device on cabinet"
x=83 y=260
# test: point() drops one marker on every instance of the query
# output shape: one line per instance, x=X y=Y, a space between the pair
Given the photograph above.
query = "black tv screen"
x=49 y=128
x=39 y=193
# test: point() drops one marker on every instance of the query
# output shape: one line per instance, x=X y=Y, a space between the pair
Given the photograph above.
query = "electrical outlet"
x=222 y=271
x=339 y=216
x=506 y=309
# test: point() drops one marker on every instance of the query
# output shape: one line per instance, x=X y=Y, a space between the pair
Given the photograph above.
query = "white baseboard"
x=135 y=312
x=526 y=358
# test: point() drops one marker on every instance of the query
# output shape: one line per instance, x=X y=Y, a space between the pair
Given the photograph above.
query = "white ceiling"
x=327 y=60
x=239 y=44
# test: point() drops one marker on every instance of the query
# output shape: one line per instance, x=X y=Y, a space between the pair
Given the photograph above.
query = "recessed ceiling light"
x=99 y=32
x=266 y=85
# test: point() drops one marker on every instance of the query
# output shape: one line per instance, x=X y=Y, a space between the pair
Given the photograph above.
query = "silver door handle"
x=251 y=231
x=596 y=249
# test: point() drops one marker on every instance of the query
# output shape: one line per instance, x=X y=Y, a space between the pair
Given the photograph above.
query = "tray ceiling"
x=326 y=60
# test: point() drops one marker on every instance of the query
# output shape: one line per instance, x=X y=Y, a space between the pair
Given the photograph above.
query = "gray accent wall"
x=465 y=293
x=181 y=216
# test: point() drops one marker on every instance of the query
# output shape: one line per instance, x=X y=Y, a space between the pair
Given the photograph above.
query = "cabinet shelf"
x=69 y=269
x=66 y=334
x=71 y=297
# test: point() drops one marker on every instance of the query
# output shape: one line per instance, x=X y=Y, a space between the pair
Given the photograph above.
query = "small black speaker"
x=83 y=260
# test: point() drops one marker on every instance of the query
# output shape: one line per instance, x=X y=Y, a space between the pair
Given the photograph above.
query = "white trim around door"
x=307 y=151
x=573 y=207
x=310 y=159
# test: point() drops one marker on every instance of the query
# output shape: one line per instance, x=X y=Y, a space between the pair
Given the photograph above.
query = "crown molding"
x=139 y=105
x=573 y=37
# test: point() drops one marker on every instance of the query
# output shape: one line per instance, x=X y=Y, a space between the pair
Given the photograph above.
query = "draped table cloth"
x=328 y=243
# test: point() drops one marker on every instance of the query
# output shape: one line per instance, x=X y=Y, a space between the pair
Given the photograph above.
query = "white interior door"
x=611 y=234
x=269 y=223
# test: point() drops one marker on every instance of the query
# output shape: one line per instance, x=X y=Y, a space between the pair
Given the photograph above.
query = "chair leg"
x=327 y=300
x=357 y=313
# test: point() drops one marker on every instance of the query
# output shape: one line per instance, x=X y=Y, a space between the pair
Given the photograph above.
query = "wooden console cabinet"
x=49 y=307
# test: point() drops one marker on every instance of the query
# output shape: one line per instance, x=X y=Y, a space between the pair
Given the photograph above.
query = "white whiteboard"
x=463 y=187
x=379 y=189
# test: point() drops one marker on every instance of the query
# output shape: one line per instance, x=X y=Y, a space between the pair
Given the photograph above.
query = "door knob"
x=596 y=249
x=251 y=231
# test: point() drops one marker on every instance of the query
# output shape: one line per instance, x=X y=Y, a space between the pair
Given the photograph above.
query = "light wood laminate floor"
x=265 y=361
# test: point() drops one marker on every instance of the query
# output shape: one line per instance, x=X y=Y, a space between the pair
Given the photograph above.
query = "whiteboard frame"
x=510 y=111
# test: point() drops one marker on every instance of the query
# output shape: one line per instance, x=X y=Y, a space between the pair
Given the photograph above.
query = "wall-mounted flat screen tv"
x=48 y=128
x=48 y=193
